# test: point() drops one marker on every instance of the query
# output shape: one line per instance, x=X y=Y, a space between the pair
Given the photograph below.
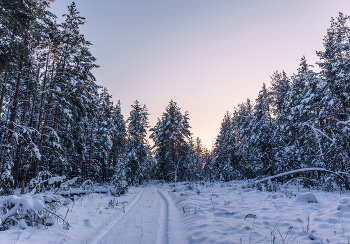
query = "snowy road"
x=146 y=220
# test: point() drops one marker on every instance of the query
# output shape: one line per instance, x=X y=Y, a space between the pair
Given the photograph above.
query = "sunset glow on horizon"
x=207 y=56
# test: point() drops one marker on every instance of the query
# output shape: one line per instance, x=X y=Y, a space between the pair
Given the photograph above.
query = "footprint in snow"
x=87 y=223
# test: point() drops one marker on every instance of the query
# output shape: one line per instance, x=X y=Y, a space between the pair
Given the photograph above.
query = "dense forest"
x=55 y=120
x=298 y=122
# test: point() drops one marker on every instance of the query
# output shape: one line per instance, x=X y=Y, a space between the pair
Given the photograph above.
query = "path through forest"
x=150 y=218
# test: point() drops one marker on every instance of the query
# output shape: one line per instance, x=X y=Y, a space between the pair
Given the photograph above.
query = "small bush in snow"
x=189 y=186
x=119 y=188
x=40 y=182
x=87 y=185
x=27 y=210
x=307 y=197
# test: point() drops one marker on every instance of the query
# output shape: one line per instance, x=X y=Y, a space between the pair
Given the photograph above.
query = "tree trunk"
x=13 y=117
x=31 y=123
x=48 y=108
x=24 y=179
x=15 y=100
x=26 y=100
x=90 y=150
x=43 y=131
x=3 y=89
x=43 y=90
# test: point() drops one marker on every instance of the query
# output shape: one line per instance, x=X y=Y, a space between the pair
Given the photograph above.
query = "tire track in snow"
x=162 y=230
x=176 y=232
x=99 y=237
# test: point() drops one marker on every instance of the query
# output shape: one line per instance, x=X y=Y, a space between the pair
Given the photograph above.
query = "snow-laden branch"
x=301 y=171
x=318 y=131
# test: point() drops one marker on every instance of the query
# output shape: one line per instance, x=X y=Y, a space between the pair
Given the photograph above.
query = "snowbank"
x=87 y=216
x=231 y=213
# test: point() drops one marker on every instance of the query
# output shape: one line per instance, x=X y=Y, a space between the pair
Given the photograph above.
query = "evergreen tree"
x=138 y=152
x=199 y=159
x=242 y=151
x=300 y=150
x=171 y=137
x=263 y=161
x=223 y=151
x=280 y=90
x=335 y=96
x=119 y=139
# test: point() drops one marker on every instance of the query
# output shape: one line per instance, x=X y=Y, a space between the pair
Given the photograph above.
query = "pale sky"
x=208 y=56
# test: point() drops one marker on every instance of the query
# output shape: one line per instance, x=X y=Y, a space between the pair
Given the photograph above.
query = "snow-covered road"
x=145 y=220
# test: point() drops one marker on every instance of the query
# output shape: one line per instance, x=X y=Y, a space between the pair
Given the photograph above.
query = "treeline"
x=54 y=117
x=56 y=120
x=299 y=121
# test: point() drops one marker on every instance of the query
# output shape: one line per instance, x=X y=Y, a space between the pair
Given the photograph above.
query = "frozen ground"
x=87 y=217
x=197 y=213
x=230 y=213
x=146 y=220
x=145 y=214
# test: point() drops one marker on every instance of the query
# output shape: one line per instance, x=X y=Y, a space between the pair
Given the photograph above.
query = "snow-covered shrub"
x=27 y=210
x=6 y=179
x=119 y=188
x=329 y=186
x=345 y=204
x=189 y=186
x=271 y=186
x=40 y=182
x=119 y=183
x=6 y=184
x=66 y=185
x=87 y=185
x=307 y=197
x=56 y=181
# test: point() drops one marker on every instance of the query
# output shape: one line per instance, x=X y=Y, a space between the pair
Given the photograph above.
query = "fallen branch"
x=302 y=171
x=80 y=192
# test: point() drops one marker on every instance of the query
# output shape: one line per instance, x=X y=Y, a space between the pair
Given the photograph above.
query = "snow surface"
x=146 y=221
x=87 y=216
x=197 y=213
x=231 y=213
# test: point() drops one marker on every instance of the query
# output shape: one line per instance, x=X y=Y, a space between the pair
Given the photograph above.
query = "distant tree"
x=171 y=137
x=199 y=159
x=138 y=151
x=262 y=129
x=222 y=152
x=279 y=92
x=119 y=139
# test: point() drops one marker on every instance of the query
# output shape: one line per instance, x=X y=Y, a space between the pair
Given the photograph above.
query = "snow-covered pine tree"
x=242 y=151
x=199 y=159
x=207 y=164
x=103 y=142
x=23 y=25
x=138 y=151
x=263 y=161
x=171 y=136
x=300 y=150
x=76 y=90
x=222 y=152
x=118 y=153
x=334 y=108
x=279 y=92
x=119 y=139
